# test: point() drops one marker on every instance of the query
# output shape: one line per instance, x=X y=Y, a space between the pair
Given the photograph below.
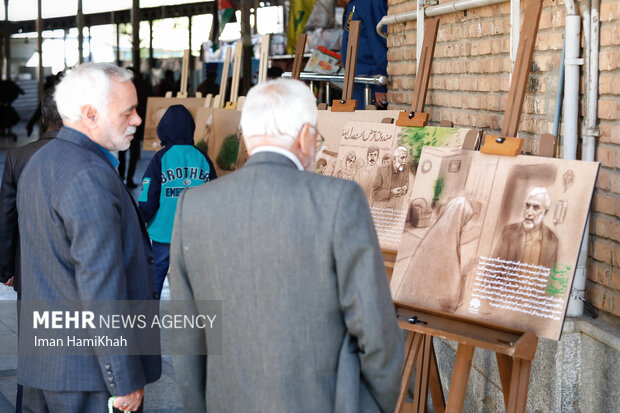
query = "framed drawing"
x=494 y=238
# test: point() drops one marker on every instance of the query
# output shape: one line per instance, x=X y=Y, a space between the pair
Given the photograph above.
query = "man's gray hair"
x=400 y=149
x=541 y=191
x=87 y=84
x=278 y=109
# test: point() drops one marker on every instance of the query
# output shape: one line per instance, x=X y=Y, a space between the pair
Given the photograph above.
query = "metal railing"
x=366 y=80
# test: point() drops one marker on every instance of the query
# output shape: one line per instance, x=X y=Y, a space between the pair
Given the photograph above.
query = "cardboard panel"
x=368 y=154
x=155 y=109
x=330 y=124
x=494 y=238
x=213 y=126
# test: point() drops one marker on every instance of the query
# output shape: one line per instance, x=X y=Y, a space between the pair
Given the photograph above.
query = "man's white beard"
x=120 y=143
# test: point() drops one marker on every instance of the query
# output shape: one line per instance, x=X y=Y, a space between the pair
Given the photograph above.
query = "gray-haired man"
x=84 y=240
x=294 y=258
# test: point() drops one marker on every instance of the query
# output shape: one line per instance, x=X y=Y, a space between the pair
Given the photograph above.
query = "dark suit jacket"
x=82 y=239
x=309 y=324
x=513 y=241
x=15 y=162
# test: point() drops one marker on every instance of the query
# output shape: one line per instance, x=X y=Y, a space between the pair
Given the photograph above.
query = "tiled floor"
x=160 y=397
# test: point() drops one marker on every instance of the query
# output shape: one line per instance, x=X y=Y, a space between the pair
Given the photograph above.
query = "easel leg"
x=439 y=402
x=460 y=377
x=421 y=376
x=504 y=365
x=519 y=385
x=414 y=342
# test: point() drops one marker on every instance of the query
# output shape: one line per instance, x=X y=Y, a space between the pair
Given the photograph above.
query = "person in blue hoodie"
x=176 y=167
x=372 y=48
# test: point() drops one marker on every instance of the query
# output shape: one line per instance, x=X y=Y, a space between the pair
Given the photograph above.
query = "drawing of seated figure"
x=530 y=241
x=435 y=271
x=391 y=182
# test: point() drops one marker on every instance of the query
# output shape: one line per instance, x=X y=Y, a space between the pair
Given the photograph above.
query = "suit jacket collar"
x=270 y=158
x=50 y=134
x=78 y=138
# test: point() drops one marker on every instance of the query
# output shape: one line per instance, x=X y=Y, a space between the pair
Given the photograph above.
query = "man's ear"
x=305 y=140
x=89 y=115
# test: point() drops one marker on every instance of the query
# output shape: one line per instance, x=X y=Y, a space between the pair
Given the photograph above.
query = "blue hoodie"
x=179 y=165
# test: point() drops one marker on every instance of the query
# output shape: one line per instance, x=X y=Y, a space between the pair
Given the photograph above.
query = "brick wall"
x=469 y=84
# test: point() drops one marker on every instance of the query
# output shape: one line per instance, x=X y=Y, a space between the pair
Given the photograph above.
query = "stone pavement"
x=160 y=397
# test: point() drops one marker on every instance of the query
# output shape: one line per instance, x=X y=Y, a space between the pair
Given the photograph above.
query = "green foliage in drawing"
x=414 y=139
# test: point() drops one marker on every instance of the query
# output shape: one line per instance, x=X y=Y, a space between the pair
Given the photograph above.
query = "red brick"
x=608 y=60
x=606 y=156
x=614 y=182
x=608 y=109
x=603 y=298
x=599 y=273
x=614 y=230
x=602 y=251
x=614 y=281
x=601 y=227
x=604 y=204
x=603 y=180
x=613 y=131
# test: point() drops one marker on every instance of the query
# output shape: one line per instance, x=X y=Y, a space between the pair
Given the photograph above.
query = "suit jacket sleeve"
x=190 y=369
x=8 y=221
x=90 y=209
x=365 y=297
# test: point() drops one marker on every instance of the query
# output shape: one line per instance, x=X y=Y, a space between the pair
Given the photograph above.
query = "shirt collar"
x=281 y=151
x=108 y=155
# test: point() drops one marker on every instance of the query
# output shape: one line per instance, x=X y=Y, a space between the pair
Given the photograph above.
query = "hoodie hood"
x=176 y=127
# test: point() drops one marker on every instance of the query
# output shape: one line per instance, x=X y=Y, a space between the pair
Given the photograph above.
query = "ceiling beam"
x=120 y=16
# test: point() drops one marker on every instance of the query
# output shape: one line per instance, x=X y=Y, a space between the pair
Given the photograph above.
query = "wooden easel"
x=514 y=349
x=218 y=101
x=264 y=59
x=416 y=116
x=234 y=88
x=299 y=55
x=347 y=103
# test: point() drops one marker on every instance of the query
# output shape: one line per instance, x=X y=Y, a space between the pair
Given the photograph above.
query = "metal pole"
x=90 y=47
x=328 y=92
x=135 y=34
x=40 y=49
x=190 y=63
x=7 y=43
x=1 y=56
x=64 y=48
x=117 y=45
x=246 y=39
x=151 y=59
x=79 y=17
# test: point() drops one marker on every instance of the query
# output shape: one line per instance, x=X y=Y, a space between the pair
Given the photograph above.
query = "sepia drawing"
x=485 y=237
x=383 y=159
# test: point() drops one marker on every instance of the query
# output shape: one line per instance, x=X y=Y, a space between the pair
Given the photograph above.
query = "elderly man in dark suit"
x=530 y=241
x=82 y=240
x=293 y=256
x=16 y=160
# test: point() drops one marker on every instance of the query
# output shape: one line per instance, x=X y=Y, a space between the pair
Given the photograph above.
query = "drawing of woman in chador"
x=435 y=273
